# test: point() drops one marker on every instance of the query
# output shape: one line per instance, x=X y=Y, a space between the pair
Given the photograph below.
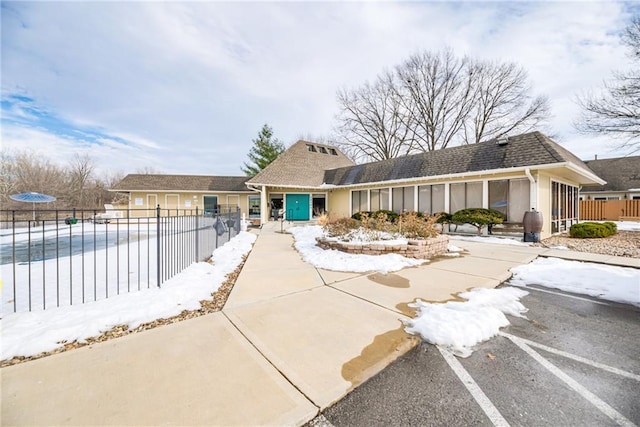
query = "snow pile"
x=30 y=333
x=620 y=284
x=361 y=236
x=453 y=251
x=305 y=243
x=461 y=325
x=490 y=239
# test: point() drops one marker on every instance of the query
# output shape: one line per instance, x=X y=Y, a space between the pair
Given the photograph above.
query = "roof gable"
x=301 y=165
x=153 y=182
x=530 y=149
x=621 y=173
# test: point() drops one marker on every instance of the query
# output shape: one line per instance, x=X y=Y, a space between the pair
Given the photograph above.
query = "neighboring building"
x=144 y=192
x=623 y=179
x=512 y=175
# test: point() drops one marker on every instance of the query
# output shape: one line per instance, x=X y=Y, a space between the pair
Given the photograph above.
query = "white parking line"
x=581 y=359
x=476 y=392
x=573 y=384
x=563 y=295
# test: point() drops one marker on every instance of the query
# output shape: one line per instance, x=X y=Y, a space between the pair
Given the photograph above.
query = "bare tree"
x=373 y=123
x=440 y=86
x=502 y=103
x=74 y=186
x=615 y=111
x=80 y=173
x=433 y=100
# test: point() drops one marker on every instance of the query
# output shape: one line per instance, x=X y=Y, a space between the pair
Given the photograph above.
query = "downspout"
x=533 y=198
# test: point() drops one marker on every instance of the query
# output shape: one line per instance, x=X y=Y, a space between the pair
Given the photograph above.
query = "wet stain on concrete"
x=391 y=280
x=384 y=349
x=404 y=308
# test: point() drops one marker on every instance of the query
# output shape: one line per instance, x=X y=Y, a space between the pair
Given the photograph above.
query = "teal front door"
x=297 y=207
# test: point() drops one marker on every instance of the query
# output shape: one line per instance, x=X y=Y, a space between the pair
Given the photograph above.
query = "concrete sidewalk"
x=291 y=340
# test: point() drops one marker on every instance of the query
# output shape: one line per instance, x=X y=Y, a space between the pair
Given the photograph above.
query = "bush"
x=413 y=225
x=592 y=230
x=443 y=217
x=391 y=216
x=341 y=226
x=478 y=217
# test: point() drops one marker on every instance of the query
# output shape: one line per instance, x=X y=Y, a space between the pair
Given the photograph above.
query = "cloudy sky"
x=185 y=87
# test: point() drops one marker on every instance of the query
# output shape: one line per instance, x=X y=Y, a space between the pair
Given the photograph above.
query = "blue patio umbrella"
x=33 y=197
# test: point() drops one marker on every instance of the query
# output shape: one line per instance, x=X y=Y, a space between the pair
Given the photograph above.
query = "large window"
x=564 y=206
x=511 y=197
x=465 y=195
x=379 y=199
x=402 y=199
x=358 y=201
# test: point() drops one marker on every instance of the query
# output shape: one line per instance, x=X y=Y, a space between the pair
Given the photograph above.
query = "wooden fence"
x=609 y=210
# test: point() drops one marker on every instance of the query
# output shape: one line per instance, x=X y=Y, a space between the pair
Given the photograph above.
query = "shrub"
x=592 y=230
x=358 y=215
x=340 y=227
x=478 y=217
x=413 y=225
x=391 y=215
x=442 y=217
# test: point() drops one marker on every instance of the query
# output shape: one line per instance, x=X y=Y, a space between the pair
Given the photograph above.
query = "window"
x=511 y=197
x=564 y=206
x=210 y=205
x=254 y=206
x=379 y=199
x=311 y=148
x=333 y=151
x=465 y=195
x=358 y=201
x=402 y=199
x=424 y=199
x=322 y=150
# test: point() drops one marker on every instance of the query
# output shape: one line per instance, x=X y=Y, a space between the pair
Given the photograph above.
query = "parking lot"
x=573 y=361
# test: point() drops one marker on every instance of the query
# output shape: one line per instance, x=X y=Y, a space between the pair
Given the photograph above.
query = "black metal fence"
x=60 y=257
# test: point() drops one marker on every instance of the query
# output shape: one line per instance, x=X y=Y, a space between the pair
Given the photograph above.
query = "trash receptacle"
x=71 y=220
x=532 y=223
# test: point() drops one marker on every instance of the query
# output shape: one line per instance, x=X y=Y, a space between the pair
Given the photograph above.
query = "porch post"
x=485 y=194
x=264 y=206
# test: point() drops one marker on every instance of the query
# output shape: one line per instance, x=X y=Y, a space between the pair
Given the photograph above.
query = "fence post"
x=158 y=242
x=197 y=235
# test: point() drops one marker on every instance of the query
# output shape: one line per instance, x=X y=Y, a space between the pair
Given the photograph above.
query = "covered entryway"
x=297 y=207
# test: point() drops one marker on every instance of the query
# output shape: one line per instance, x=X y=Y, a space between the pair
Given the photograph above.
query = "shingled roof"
x=301 y=165
x=621 y=173
x=199 y=183
x=519 y=151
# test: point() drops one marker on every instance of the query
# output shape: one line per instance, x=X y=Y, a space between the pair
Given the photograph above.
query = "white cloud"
x=190 y=84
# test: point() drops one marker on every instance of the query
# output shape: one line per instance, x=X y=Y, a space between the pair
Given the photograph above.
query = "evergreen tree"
x=264 y=151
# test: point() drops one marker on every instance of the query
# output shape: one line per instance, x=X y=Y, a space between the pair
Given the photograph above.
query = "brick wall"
x=421 y=249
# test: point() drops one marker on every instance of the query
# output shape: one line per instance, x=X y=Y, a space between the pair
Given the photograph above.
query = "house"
x=512 y=175
x=144 y=192
x=622 y=175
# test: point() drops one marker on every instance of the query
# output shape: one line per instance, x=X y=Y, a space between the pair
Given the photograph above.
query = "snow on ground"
x=490 y=239
x=30 y=333
x=305 y=243
x=620 y=284
x=461 y=325
x=625 y=225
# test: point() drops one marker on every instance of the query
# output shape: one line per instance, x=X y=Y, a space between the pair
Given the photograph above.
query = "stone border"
x=420 y=249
